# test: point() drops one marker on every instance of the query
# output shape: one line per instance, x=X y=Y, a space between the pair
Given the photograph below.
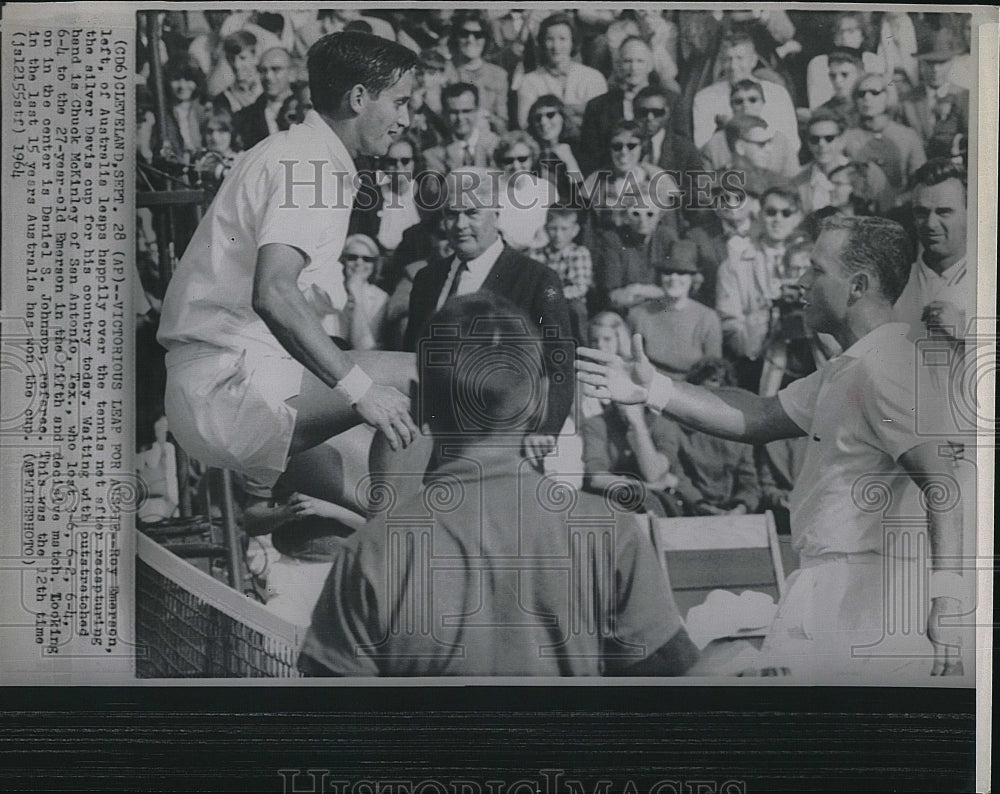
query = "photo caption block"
x=69 y=488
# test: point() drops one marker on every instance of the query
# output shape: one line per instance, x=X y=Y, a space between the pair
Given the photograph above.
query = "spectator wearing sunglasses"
x=349 y=305
x=678 y=331
x=627 y=173
x=845 y=69
x=752 y=142
x=526 y=197
x=738 y=56
x=623 y=264
x=557 y=160
x=851 y=34
x=747 y=99
x=748 y=283
x=663 y=148
x=825 y=139
x=634 y=69
x=895 y=148
x=470 y=40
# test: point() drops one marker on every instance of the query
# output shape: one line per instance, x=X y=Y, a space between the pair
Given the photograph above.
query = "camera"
x=490 y=377
x=787 y=316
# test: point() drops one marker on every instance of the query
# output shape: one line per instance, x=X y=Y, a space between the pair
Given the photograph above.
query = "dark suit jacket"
x=599 y=117
x=251 y=124
x=936 y=133
x=527 y=284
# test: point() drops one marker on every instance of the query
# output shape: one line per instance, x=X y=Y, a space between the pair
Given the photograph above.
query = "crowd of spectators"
x=672 y=167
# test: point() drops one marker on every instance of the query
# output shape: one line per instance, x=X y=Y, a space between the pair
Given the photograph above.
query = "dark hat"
x=683 y=257
x=940 y=47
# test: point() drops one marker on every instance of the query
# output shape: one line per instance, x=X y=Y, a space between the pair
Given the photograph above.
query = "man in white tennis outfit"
x=842 y=616
x=251 y=376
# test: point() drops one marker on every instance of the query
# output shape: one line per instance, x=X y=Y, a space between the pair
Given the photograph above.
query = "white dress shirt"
x=473 y=278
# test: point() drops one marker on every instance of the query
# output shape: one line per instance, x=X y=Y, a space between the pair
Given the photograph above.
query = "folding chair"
x=734 y=553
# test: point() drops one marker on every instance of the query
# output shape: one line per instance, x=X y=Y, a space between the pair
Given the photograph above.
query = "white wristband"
x=947 y=584
x=659 y=393
x=355 y=384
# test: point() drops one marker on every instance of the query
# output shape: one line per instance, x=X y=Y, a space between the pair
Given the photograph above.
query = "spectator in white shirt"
x=711 y=105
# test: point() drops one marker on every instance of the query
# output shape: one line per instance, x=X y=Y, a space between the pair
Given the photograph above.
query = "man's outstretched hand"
x=608 y=376
x=388 y=410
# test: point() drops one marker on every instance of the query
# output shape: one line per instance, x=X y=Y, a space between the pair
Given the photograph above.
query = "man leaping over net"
x=252 y=377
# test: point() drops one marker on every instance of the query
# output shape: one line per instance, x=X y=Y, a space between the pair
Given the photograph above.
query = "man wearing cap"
x=739 y=57
x=678 y=330
x=937 y=109
x=825 y=138
x=470 y=144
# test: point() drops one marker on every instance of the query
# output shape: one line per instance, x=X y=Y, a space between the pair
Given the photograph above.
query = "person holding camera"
x=748 y=284
x=859 y=414
x=503 y=562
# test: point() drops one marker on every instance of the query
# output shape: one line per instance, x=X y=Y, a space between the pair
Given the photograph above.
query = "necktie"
x=467 y=156
x=463 y=268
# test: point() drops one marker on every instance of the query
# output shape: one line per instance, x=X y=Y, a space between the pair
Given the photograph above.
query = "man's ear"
x=860 y=285
x=357 y=97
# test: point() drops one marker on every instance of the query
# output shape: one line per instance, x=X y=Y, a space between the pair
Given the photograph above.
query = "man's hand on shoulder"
x=388 y=410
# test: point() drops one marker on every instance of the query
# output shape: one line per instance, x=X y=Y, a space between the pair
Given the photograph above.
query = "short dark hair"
x=783 y=192
x=651 y=91
x=455 y=90
x=184 y=66
x=747 y=85
x=843 y=55
x=939 y=170
x=550 y=22
x=631 y=127
x=822 y=114
x=737 y=38
x=490 y=378
x=236 y=42
x=340 y=61
x=875 y=245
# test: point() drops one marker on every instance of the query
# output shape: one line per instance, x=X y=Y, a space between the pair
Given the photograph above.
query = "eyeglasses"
x=548 y=115
x=358 y=258
x=657 y=112
x=466 y=33
x=814 y=139
x=866 y=91
x=403 y=161
x=511 y=159
x=786 y=212
x=617 y=146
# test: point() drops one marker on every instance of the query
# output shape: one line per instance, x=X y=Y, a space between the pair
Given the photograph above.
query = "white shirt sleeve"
x=798 y=399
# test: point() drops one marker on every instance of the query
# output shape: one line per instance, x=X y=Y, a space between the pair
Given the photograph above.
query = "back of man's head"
x=481 y=372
